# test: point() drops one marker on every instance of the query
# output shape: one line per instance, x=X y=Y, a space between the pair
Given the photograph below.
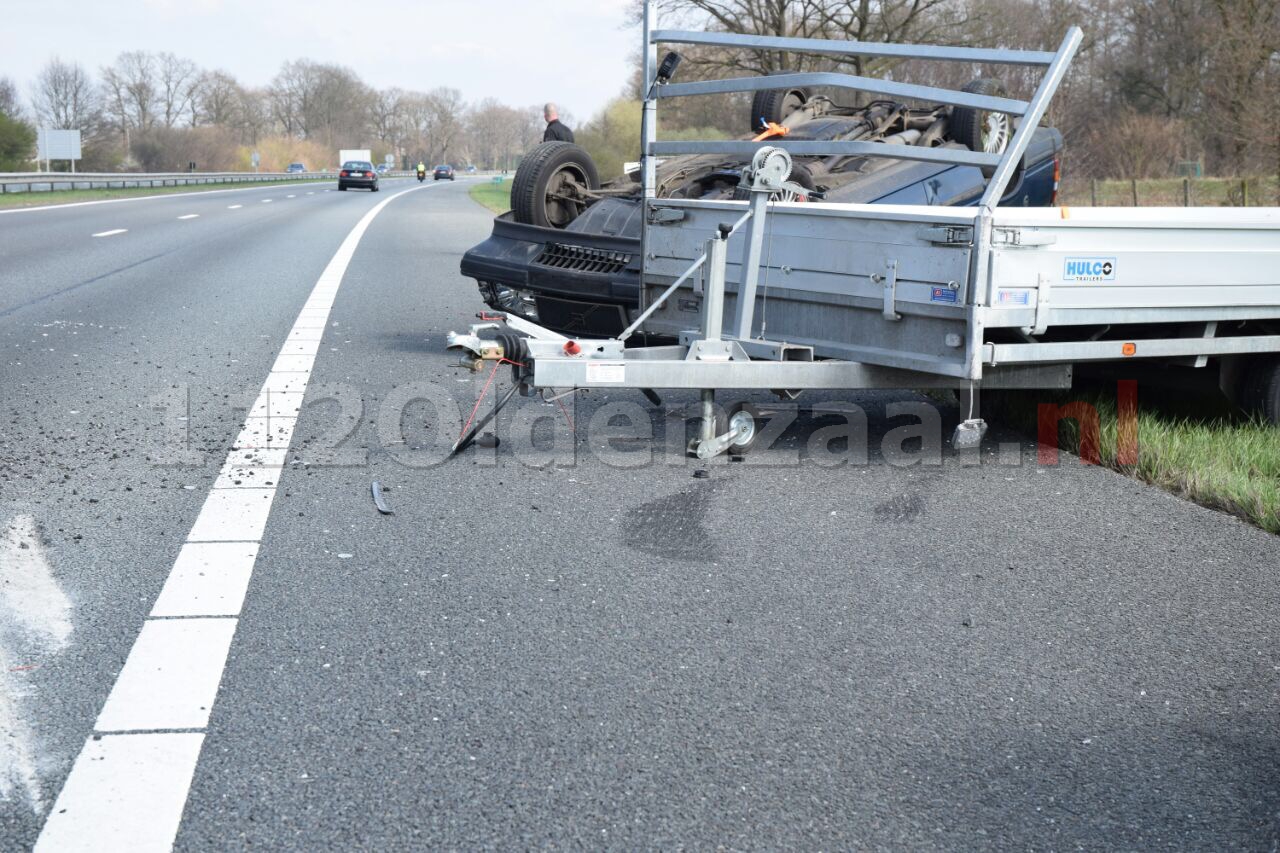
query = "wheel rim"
x=561 y=209
x=795 y=100
x=995 y=133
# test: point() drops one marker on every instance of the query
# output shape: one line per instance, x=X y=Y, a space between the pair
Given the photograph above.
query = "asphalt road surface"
x=569 y=640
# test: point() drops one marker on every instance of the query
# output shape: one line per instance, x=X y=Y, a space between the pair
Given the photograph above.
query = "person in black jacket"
x=557 y=131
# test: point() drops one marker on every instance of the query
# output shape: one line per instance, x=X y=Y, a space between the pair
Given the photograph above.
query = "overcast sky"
x=522 y=52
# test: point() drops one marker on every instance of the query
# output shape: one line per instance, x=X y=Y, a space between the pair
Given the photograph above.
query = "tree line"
x=154 y=111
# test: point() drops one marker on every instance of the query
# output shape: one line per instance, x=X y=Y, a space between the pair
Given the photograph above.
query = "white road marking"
x=112 y=232
x=190 y=216
x=40 y=615
x=208 y=579
x=291 y=196
x=234 y=206
x=171 y=676
x=266 y=201
x=235 y=515
x=127 y=792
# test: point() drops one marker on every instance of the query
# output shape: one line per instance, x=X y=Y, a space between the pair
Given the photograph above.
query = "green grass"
x=41 y=199
x=495 y=196
x=1168 y=192
x=1219 y=459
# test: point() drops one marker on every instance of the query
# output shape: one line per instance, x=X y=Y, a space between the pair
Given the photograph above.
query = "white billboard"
x=58 y=144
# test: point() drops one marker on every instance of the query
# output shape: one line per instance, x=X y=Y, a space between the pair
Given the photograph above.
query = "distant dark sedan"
x=358 y=173
x=444 y=173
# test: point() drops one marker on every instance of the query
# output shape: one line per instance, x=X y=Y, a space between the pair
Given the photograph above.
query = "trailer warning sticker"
x=1089 y=269
x=944 y=294
x=603 y=372
x=1014 y=297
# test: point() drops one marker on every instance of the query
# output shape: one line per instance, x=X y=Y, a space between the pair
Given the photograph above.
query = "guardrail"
x=22 y=182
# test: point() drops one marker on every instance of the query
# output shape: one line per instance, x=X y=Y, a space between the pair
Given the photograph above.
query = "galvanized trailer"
x=783 y=294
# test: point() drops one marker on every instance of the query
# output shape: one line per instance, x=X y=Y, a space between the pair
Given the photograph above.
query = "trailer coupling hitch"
x=476 y=350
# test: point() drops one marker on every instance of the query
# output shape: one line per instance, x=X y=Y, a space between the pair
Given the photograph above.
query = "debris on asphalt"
x=488 y=440
x=702 y=474
x=379 y=501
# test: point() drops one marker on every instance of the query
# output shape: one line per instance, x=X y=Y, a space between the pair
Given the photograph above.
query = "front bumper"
x=573 y=282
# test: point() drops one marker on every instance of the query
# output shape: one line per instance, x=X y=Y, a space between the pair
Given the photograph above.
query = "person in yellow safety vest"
x=422 y=168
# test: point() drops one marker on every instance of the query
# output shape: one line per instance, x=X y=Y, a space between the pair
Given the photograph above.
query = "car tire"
x=540 y=172
x=774 y=105
x=970 y=127
x=342 y=188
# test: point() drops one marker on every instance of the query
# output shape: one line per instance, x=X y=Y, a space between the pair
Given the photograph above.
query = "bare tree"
x=64 y=96
x=498 y=134
x=388 y=117
x=446 y=111
x=850 y=20
x=177 y=80
x=327 y=103
x=130 y=91
x=217 y=99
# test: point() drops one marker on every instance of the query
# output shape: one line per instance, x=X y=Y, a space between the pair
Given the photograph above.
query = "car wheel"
x=342 y=188
x=549 y=187
x=981 y=130
x=774 y=105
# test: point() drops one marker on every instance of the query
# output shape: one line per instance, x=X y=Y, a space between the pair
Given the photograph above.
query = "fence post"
x=1244 y=191
x=1186 y=192
x=1093 y=192
x=1134 y=185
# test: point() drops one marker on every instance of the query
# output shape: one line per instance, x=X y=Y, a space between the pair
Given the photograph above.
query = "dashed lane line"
x=190 y=216
x=129 y=784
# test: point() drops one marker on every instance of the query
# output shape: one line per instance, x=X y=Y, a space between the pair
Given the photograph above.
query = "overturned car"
x=567 y=255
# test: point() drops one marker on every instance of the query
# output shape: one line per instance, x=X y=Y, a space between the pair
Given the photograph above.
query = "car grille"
x=582 y=259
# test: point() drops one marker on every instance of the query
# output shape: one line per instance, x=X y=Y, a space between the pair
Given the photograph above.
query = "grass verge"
x=1219 y=459
x=43 y=199
x=1170 y=192
x=495 y=196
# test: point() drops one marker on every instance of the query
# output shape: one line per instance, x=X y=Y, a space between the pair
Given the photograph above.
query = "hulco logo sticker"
x=1089 y=269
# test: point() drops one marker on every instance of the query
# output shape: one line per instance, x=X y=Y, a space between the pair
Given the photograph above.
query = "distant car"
x=294 y=168
x=382 y=168
x=471 y=170
x=358 y=173
x=444 y=173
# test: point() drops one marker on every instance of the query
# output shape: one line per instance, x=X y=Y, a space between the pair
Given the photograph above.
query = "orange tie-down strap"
x=772 y=129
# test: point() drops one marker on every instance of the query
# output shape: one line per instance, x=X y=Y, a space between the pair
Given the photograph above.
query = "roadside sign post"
x=52 y=144
x=255 y=160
